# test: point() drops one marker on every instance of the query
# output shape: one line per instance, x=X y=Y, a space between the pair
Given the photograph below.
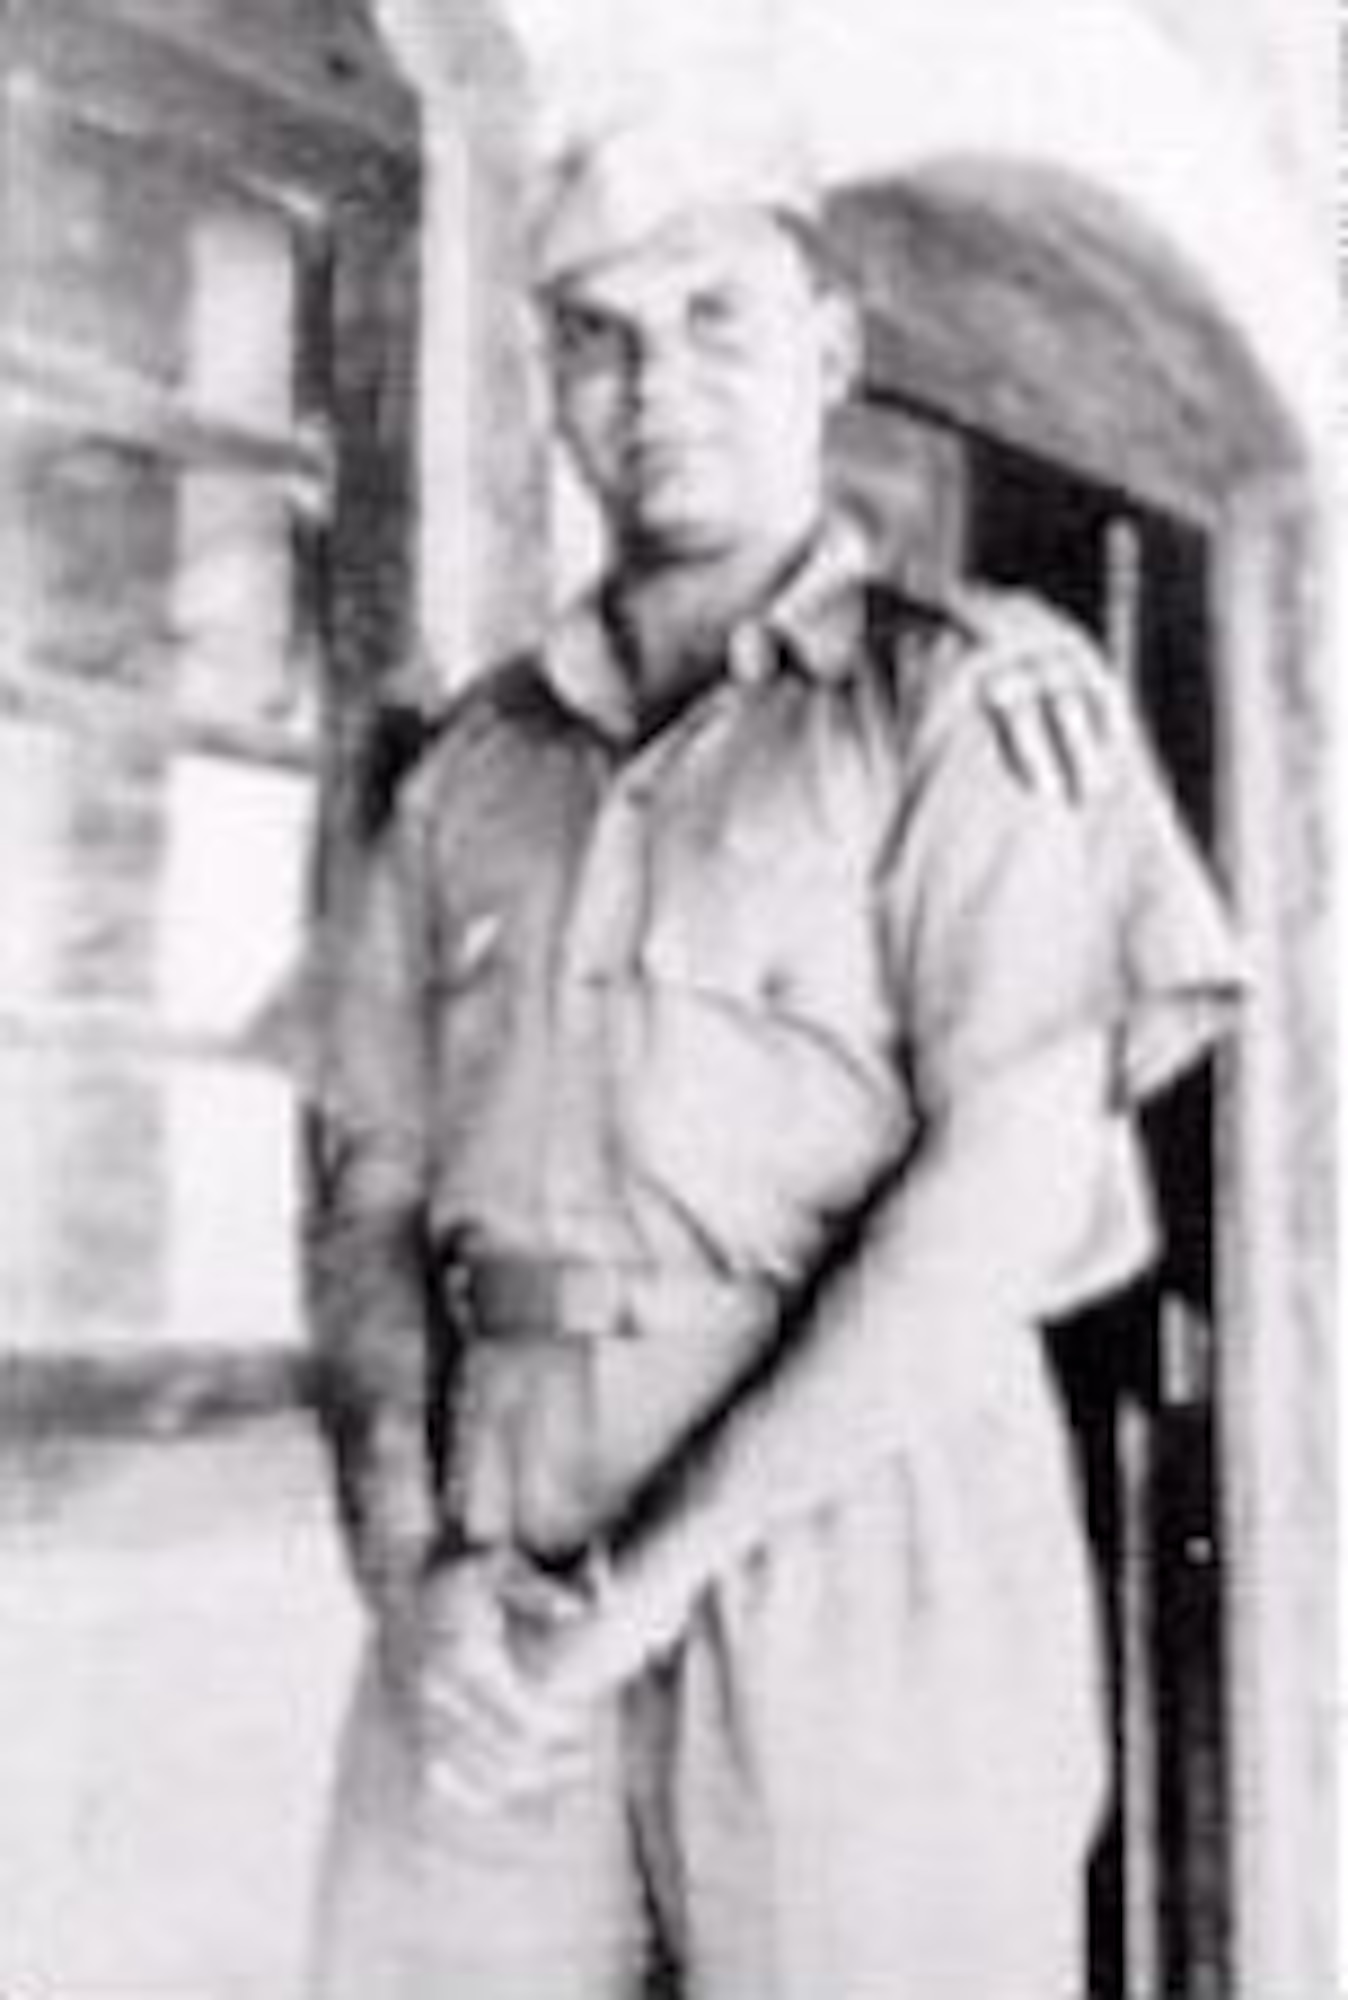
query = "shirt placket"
x=585 y=1199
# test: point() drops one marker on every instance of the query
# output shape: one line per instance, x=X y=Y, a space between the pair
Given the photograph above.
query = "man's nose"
x=661 y=368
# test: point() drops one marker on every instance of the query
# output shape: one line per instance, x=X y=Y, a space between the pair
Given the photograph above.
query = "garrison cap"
x=650 y=161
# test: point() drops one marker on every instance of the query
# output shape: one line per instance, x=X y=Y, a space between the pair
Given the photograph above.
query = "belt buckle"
x=594 y=1302
x=494 y=1295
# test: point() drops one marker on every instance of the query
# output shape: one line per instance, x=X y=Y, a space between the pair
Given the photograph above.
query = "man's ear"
x=841 y=345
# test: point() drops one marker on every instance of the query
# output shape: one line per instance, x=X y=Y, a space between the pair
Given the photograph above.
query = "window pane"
x=91 y=553
x=81 y=1153
x=151 y=1010
x=129 y=573
x=97 y=243
x=242 y=656
x=147 y=263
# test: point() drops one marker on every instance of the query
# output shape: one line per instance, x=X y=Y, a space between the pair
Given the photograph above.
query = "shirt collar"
x=815 y=620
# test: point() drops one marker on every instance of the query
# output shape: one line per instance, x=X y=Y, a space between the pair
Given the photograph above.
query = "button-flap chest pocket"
x=761 y=898
x=504 y=872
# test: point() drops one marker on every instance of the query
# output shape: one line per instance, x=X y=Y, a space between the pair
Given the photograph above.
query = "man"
x=728 y=1070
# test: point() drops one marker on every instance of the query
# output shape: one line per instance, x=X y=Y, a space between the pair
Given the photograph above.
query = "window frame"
x=317 y=128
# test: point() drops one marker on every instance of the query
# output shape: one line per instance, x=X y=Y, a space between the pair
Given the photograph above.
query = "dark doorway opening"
x=1138 y=1374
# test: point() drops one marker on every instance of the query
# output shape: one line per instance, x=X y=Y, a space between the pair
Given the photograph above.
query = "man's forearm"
x=367 y=1301
x=957 y=1257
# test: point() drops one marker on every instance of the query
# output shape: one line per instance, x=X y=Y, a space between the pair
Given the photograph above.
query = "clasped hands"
x=504 y=1672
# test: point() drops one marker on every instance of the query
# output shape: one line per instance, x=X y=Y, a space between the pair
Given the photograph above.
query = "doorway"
x=1139 y=1372
x=1051 y=404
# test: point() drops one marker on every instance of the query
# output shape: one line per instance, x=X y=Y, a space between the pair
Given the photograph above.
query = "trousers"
x=872 y=1770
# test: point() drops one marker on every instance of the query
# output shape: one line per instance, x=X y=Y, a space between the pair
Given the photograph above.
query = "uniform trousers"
x=871 y=1770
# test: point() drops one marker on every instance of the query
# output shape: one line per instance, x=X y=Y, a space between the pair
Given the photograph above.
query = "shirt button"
x=776 y=986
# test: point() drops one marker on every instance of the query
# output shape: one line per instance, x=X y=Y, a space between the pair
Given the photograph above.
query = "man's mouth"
x=664 y=455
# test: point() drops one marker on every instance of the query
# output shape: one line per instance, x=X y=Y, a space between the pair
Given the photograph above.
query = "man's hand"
x=1048 y=692
x=618 y=1624
x=491 y=1730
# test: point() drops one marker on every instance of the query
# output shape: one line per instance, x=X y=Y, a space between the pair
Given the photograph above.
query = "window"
x=196 y=333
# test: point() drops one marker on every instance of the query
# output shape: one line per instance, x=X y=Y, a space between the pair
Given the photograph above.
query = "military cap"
x=643 y=164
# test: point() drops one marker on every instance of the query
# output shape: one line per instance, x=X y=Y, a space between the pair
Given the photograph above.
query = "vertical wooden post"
x=1124 y=577
x=1123 y=568
x=1275 y=1286
x=1135 y=1472
x=483 y=483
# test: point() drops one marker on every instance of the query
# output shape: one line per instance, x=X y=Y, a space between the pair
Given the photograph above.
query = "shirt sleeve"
x=1014 y=915
x=366 y=1074
x=996 y=932
x=364 y=1234
x=367 y=1095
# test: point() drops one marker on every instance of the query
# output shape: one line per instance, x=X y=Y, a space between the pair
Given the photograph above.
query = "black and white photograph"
x=668 y=1070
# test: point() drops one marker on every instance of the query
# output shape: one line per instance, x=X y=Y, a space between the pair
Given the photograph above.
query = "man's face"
x=694 y=377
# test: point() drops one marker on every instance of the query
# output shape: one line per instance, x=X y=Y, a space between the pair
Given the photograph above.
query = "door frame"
x=1246 y=483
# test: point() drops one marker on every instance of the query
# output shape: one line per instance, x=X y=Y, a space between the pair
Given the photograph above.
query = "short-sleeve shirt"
x=686 y=1000
x=680 y=1006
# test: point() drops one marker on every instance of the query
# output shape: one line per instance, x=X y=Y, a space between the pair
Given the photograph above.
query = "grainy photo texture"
x=667 y=1298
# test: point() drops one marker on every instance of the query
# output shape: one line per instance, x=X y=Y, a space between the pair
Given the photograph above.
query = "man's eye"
x=718 y=318
x=585 y=340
